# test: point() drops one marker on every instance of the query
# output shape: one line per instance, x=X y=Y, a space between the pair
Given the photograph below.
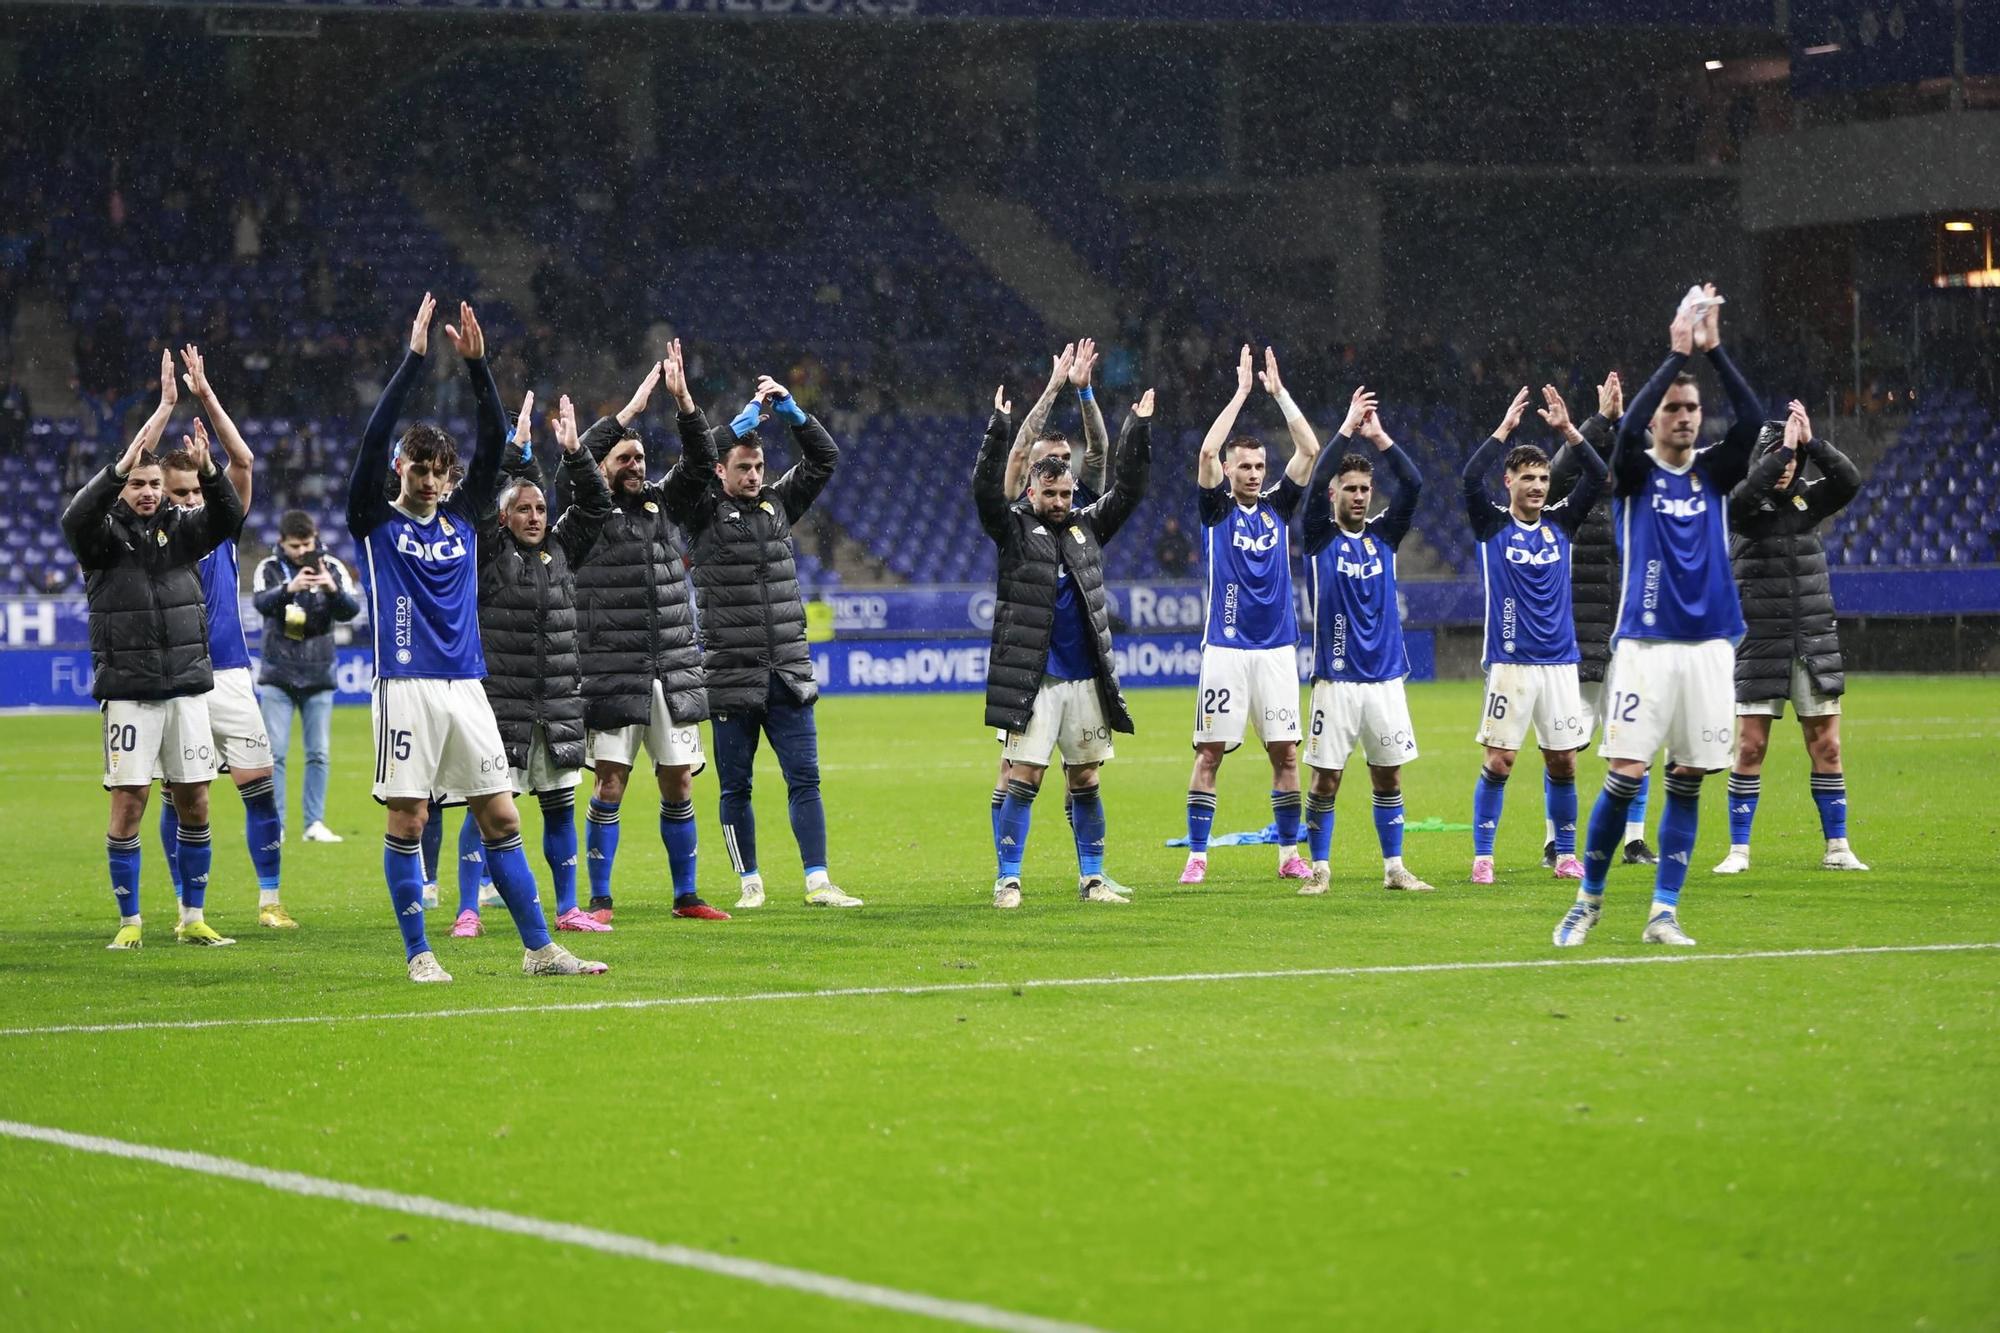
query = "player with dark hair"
x=759 y=671
x=1250 y=639
x=150 y=666
x=302 y=591
x=242 y=743
x=1051 y=682
x=1678 y=621
x=642 y=674
x=528 y=632
x=1791 y=649
x=1359 y=659
x=1530 y=652
x=434 y=730
x=1594 y=582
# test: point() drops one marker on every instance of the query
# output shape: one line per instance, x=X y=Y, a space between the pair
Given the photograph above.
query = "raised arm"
x=367 y=506
x=1305 y=442
x=83 y=518
x=241 y=462
x=1037 y=420
x=686 y=481
x=1840 y=480
x=1208 y=463
x=1577 y=454
x=220 y=517
x=1128 y=480
x=482 y=475
x=1629 y=464
x=1485 y=517
x=990 y=493
x=818 y=454
x=1318 y=523
x=1096 y=469
x=1394 y=523
x=590 y=503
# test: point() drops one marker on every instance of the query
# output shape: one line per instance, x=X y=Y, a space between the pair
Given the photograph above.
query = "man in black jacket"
x=1791 y=644
x=759 y=672
x=150 y=665
x=527 y=627
x=301 y=592
x=642 y=673
x=1051 y=683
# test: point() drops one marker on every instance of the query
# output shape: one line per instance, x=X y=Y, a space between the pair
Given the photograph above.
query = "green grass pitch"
x=1809 y=1141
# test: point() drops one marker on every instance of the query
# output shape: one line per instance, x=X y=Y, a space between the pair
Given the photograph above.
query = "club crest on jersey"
x=652 y=507
x=445 y=524
x=1368 y=545
x=1798 y=502
x=160 y=535
x=547 y=558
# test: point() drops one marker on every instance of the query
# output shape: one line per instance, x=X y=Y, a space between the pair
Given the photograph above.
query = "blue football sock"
x=1744 y=789
x=1319 y=827
x=471 y=864
x=808 y=813
x=1087 y=822
x=1829 y=793
x=403 y=867
x=263 y=831
x=999 y=799
x=601 y=842
x=1489 y=795
x=170 y=839
x=1559 y=800
x=1285 y=806
x=196 y=853
x=508 y=864
x=559 y=844
x=432 y=843
x=1606 y=834
x=1635 y=818
x=1200 y=819
x=1677 y=829
x=126 y=856
x=1012 y=844
x=678 y=833
x=1389 y=823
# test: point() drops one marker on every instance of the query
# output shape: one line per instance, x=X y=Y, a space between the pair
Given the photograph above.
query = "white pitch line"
x=557 y=1233
x=969 y=987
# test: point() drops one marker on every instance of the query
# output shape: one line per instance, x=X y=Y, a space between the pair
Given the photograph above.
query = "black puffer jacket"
x=1032 y=554
x=637 y=609
x=1594 y=564
x=1781 y=571
x=148 y=623
x=753 y=619
x=528 y=620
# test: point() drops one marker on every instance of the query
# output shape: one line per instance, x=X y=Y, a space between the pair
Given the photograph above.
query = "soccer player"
x=528 y=631
x=150 y=667
x=434 y=730
x=302 y=591
x=1051 y=682
x=759 y=670
x=642 y=672
x=1678 y=619
x=1594 y=582
x=242 y=745
x=1033 y=442
x=1531 y=653
x=1792 y=647
x=1250 y=645
x=1359 y=660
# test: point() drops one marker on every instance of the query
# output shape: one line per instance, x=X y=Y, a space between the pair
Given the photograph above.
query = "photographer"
x=301 y=592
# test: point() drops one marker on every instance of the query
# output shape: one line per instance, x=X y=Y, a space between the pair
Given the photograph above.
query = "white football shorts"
x=1068 y=716
x=1374 y=713
x=671 y=744
x=436 y=736
x=1680 y=696
x=1243 y=688
x=1520 y=695
x=149 y=738
x=1806 y=701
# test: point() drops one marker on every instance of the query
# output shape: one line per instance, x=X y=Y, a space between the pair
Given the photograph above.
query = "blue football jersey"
x=226 y=648
x=1674 y=536
x=1357 y=624
x=423 y=586
x=1525 y=568
x=1249 y=562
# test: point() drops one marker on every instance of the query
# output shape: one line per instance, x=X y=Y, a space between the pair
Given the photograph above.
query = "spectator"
x=301 y=591
x=1173 y=552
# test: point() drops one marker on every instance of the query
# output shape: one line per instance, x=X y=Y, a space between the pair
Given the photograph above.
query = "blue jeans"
x=276 y=705
x=795 y=737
